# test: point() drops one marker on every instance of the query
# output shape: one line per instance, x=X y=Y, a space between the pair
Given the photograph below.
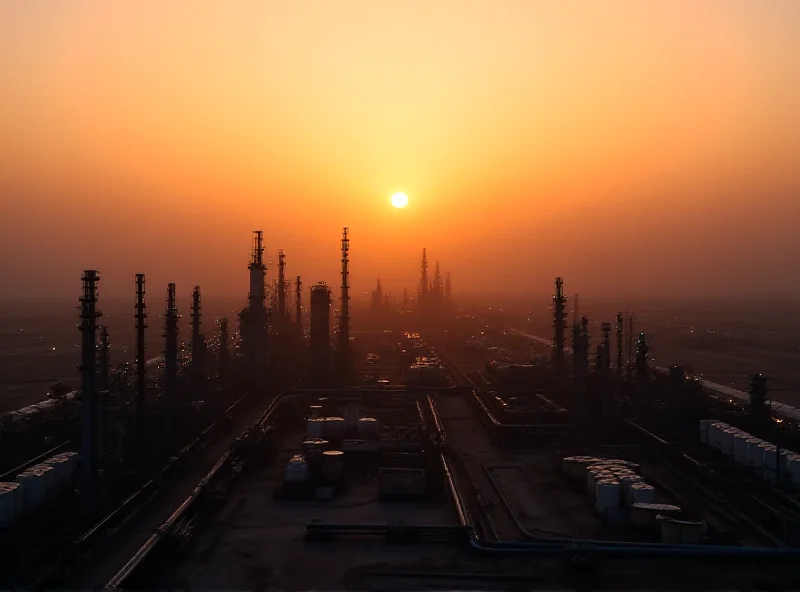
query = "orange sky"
x=632 y=147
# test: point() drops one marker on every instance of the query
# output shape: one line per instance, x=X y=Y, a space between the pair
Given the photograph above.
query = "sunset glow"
x=598 y=140
x=400 y=200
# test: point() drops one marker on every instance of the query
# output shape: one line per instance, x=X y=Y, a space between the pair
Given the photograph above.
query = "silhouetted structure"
x=298 y=294
x=559 y=323
x=254 y=318
x=171 y=344
x=620 y=331
x=580 y=361
x=198 y=344
x=224 y=356
x=320 y=334
x=281 y=287
x=432 y=295
x=759 y=400
x=140 y=319
x=90 y=401
x=642 y=355
x=448 y=291
x=376 y=302
x=345 y=369
x=604 y=362
x=103 y=360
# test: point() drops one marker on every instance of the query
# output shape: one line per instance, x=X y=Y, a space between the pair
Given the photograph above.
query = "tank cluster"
x=620 y=494
x=318 y=471
x=35 y=485
x=762 y=456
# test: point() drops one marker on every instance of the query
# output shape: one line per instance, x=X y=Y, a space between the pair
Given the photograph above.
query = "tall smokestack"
x=281 y=287
x=620 y=333
x=90 y=405
x=171 y=343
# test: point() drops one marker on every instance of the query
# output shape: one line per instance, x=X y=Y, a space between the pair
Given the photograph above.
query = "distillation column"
x=344 y=318
x=90 y=405
x=171 y=345
x=140 y=317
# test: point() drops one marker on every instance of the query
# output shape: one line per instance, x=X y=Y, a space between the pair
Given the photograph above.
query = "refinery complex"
x=422 y=445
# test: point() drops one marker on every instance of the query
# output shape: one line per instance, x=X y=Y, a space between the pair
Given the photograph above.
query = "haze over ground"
x=631 y=147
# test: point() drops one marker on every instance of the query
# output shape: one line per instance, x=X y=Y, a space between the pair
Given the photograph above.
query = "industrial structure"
x=406 y=437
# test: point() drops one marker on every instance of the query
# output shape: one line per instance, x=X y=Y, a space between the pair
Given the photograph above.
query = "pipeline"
x=150 y=545
x=595 y=547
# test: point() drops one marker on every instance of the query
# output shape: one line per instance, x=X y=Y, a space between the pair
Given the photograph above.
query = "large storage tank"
x=313 y=449
x=369 y=428
x=332 y=462
x=296 y=470
x=315 y=427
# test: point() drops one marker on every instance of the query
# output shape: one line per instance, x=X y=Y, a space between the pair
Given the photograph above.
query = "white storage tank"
x=740 y=447
x=759 y=457
x=296 y=470
x=642 y=493
x=644 y=515
x=33 y=488
x=314 y=428
x=332 y=461
x=313 y=449
x=369 y=428
x=752 y=444
x=14 y=497
x=770 y=462
x=593 y=475
x=315 y=411
x=60 y=469
x=727 y=441
x=48 y=476
x=625 y=484
x=334 y=428
x=607 y=496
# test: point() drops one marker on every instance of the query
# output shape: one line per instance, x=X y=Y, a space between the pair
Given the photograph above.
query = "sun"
x=400 y=200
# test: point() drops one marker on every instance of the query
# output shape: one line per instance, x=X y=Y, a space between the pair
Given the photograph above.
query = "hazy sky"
x=630 y=146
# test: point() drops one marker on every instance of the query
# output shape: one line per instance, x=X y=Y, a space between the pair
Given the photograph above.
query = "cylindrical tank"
x=315 y=411
x=644 y=515
x=17 y=503
x=770 y=462
x=671 y=530
x=607 y=495
x=625 y=484
x=759 y=457
x=334 y=428
x=48 y=476
x=793 y=468
x=296 y=470
x=313 y=449
x=7 y=504
x=369 y=428
x=593 y=475
x=740 y=447
x=752 y=444
x=332 y=461
x=33 y=490
x=727 y=441
x=642 y=493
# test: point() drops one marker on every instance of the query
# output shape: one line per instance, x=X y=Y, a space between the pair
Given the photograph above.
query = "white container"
x=740 y=448
x=625 y=484
x=607 y=496
x=784 y=460
x=671 y=530
x=33 y=489
x=760 y=453
x=6 y=506
x=17 y=503
x=642 y=493
x=704 y=426
x=752 y=444
x=727 y=441
x=332 y=461
x=60 y=469
x=297 y=470
x=313 y=449
x=48 y=476
x=594 y=475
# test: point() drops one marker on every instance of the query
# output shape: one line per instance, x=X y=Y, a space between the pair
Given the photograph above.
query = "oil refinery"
x=427 y=442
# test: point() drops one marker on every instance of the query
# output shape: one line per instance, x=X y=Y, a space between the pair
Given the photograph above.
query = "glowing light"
x=400 y=200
